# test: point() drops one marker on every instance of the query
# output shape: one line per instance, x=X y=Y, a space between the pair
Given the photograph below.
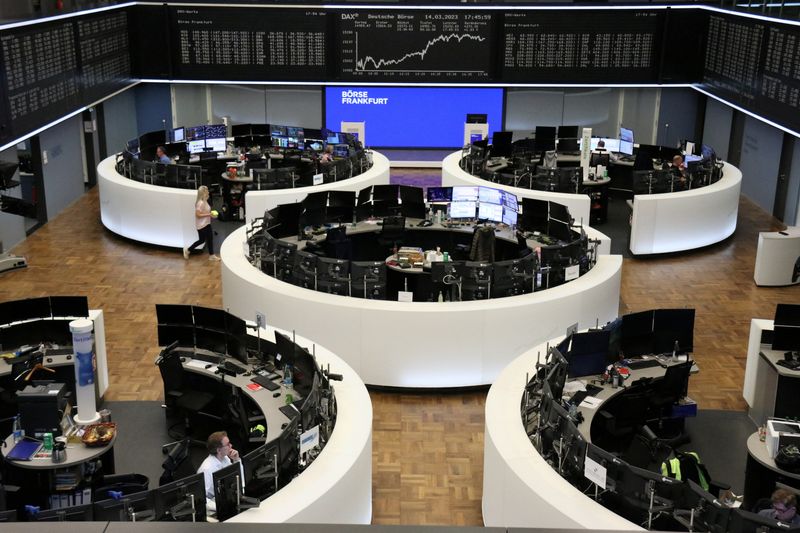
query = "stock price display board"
x=552 y=46
x=40 y=67
x=404 y=46
x=235 y=43
x=755 y=64
x=103 y=48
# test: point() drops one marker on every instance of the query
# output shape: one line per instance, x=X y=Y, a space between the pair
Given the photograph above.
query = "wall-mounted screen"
x=411 y=116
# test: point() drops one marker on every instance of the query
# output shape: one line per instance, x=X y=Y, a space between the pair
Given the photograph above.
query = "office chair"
x=337 y=244
x=668 y=390
x=124 y=483
x=178 y=396
x=483 y=242
x=177 y=464
x=392 y=231
x=243 y=419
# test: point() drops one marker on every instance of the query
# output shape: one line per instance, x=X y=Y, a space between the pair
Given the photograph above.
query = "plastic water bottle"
x=287 y=376
x=675 y=351
x=17 y=430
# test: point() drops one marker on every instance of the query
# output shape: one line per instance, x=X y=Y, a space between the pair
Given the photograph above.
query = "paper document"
x=590 y=402
x=194 y=363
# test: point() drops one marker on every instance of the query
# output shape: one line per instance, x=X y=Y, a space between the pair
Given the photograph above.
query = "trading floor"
x=427 y=448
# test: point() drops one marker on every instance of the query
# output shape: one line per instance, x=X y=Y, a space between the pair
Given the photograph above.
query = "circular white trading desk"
x=164 y=215
x=520 y=489
x=421 y=344
x=685 y=220
x=257 y=202
x=453 y=175
x=337 y=487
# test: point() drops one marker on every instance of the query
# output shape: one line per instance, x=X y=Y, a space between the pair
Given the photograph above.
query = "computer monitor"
x=276 y=130
x=492 y=212
x=786 y=338
x=558 y=212
x=534 y=215
x=559 y=230
x=545 y=138
x=217 y=144
x=787 y=315
x=637 y=334
x=510 y=201
x=183 y=500
x=236 y=339
x=614 y=465
x=490 y=196
x=477 y=118
x=465 y=194
x=76 y=513
x=137 y=507
x=568 y=133
x=228 y=490
x=208 y=318
x=30 y=308
x=332 y=268
x=175 y=314
x=184 y=335
x=177 y=135
x=133 y=145
x=211 y=340
x=509 y=217
x=671 y=326
x=385 y=193
x=557 y=376
x=195 y=133
x=197 y=146
x=708 y=512
x=260 y=470
x=241 y=130
x=440 y=194
x=589 y=353
x=463 y=209
x=625 y=141
x=152 y=139
x=284 y=349
x=501 y=143
x=635 y=486
x=341 y=150
x=69 y=306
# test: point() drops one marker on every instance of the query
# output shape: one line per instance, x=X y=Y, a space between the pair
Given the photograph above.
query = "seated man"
x=220 y=455
x=679 y=171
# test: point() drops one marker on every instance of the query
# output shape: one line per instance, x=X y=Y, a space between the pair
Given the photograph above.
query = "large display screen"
x=389 y=45
x=411 y=116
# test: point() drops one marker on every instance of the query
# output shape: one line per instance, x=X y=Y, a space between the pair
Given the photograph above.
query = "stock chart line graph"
x=380 y=64
x=454 y=46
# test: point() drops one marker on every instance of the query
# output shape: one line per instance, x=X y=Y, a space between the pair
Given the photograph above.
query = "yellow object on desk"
x=214 y=213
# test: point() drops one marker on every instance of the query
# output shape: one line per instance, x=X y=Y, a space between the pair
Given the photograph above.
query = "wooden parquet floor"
x=427 y=448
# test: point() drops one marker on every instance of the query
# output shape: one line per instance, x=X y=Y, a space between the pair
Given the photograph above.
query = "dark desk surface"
x=772 y=357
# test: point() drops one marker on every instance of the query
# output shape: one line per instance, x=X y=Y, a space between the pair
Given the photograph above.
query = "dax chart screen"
x=447 y=46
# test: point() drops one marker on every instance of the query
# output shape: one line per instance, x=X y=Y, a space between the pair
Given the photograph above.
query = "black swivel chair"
x=337 y=244
x=392 y=231
x=178 y=396
x=667 y=391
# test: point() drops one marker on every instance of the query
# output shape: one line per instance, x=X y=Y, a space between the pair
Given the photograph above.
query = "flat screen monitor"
x=333 y=138
x=183 y=500
x=610 y=144
x=284 y=349
x=462 y=209
x=787 y=315
x=509 y=217
x=589 y=353
x=30 y=308
x=241 y=130
x=197 y=146
x=465 y=194
x=208 y=318
x=236 y=338
x=477 y=118
x=69 y=306
x=342 y=199
x=178 y=135
x=153 y=139
x=637 y=334
x=167 y=334
x=130 y=508
x=534 y=214
x=175 y=314
x=304 y=370
x=195 y=133
x=671 y=326
x=490 y=196
x=228 y=486
x=564 y=346
x=545 y=138
x=76 y=513
x=491 y=212
x=559 y=230
x=211 y=340
x=260 y=467
x=277 y=131
x=216 y=131
x=510 y=201
x=501 y=144
x=216 y=144
x=568 y=132
x=786 y=338
x=440 y=194
x=625 y=141
x=557 y=375
x=385 y=193
x=314 y=146
x=289 y=448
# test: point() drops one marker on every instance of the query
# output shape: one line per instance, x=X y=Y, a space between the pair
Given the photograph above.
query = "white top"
x=210 y=465
x=203 y=207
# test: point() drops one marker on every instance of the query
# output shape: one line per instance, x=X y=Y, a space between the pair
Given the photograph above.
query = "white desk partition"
x=421 y=344
x=520 y=489
x=677 y=221
x=146 y=213
x=337 y=487
x=453 y=176
x=257 y=202
x=778 y=258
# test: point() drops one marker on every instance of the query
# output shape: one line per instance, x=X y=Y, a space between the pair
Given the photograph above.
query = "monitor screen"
x=217 y=144
x=277 y=131
x=609 y=144
x=333 y=138
x=284 y=349
x=167 y=334
x=491 y=212
x=440 y=194
x=786 y=338
x=314 y=146
x=208 y=318
x=294 y=131
x=589 y=353
x=131 y=507
x=510 y=201
x=489 y=195
x=195 y=133
x=785 y=315
x=213 y=341
x=181 y=500
x=341 y=150
x=178 y=135
x=671 y=326
x=69 y=306
x=462 y=209
x=216 y=131
x=568 y=132
x=228 y=486
x=625 y=141
x=197 y=146
x=509 y=217
x=76 y=513
x=637 y=334
x=175 y=314
x=501 y=144
x=241 y=130
x=465 y=194
x=32 y=308
x=259 y=470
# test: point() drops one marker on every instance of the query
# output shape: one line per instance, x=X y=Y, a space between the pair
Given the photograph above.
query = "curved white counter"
x=256 y=202
x=453 y=176
x=165 y=215
x=677 y=221
x=778 y=258
x=421 y=344
x=337 y=487
x=520 y=489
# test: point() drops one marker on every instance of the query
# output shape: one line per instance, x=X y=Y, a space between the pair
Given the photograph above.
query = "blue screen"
x=421 y=117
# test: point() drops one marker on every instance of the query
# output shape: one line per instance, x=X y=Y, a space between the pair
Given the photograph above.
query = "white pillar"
x=83 y=351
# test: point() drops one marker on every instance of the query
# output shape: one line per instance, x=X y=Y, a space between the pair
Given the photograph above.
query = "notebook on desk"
x=25 y=449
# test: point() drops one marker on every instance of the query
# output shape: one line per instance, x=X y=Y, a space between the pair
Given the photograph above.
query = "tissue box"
x=778 y=430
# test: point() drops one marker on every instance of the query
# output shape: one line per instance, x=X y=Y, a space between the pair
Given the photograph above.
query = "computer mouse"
x=276 y=394
x=209 y=365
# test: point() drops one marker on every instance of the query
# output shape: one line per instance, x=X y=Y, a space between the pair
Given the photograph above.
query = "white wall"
x=12 y=227
x=761 y=154
x=190 y=106
x=594 y=108
x=63 y=174
x=717 y=127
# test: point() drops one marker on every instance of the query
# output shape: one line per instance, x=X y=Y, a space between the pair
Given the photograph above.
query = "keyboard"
x=639 y=364
x=578 y=397
x=265 y=382
x=233 y=367
x=289 y=411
